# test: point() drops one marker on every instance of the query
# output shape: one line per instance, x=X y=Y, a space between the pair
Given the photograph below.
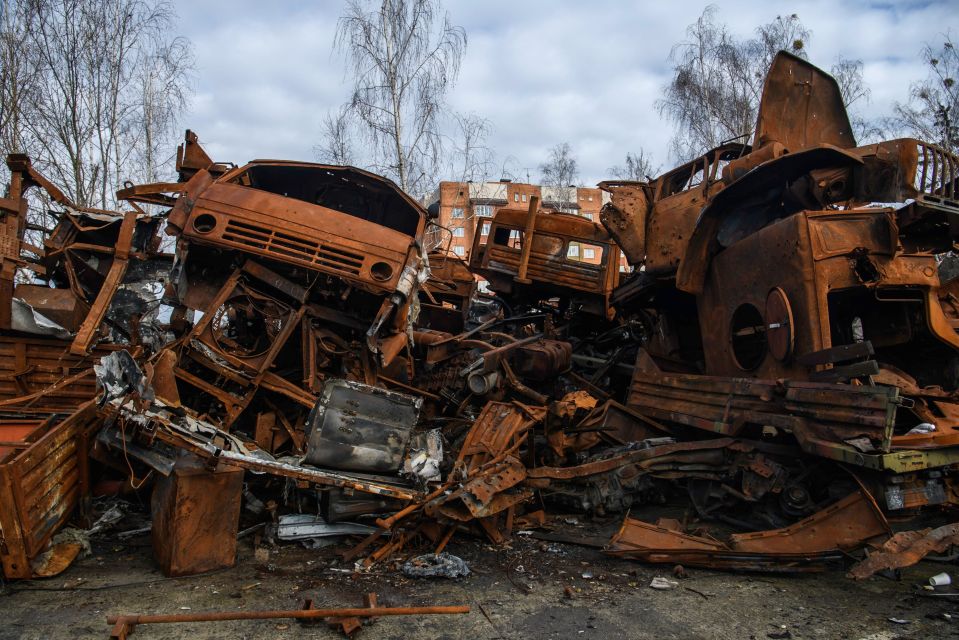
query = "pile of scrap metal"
x=69 y=294
x=801 y=305
x=782 y=358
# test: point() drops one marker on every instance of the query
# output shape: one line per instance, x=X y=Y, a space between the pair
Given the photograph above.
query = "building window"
x=515 y=197
x=591 y=198
x=457 y=212
x=588 y=216
x=483 y=210
x=460 y=251
x=588 y=254
x=572 y=251
x=459 y=232
x=485 y=230
x=524 y=197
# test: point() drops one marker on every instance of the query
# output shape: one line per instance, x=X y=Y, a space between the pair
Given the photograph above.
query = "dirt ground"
x=514 y=592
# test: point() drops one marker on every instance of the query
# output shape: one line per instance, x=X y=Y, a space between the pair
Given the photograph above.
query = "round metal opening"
x=204 y=223
x=748 y=336
x=381 y=271
x=245 y=326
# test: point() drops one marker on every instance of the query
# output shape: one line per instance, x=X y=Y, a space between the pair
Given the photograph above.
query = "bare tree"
x=17 y=80
x=161 y=77
x=561 y=172
x=848 y=75
x=508 y=170
x=718 y=80
x=638 y=167
x=932 y=112
x=403 y=57
x=106 y=85
x=471 y=159
x=338 y=138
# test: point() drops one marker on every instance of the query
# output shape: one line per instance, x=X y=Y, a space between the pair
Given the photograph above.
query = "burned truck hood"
x=801 y=107
x=340 y=220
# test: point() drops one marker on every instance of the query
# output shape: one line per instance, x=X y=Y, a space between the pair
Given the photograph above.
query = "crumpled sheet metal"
x=195 y=436
x=487 y=464
x=906 y=549
x=305 y=526
x=28 y=320
x=808 y=545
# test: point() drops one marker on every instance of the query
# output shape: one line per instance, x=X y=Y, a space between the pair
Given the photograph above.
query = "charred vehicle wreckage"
x=783 y=356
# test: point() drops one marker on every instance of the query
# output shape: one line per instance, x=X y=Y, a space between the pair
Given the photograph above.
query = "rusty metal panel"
x=845 y=525
x=906 y=548
x=794 y=86
x=625 y=217
x=40 y=487
x=804 y=546
x=60 y=305
x=549 y=270
x=360 y=427
x=543 y=359
x=196 y=514
x=45 y=369
x=812 y=412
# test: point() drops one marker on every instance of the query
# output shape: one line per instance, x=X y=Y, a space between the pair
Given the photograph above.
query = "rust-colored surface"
x=817 y=414
x=794 y=85
x=804 y=546
x=41 y=486
x=124 y=625
x=489 y=468
x=60 y=305
x=906 y=549
x=549 y=270
x=42 y=373
x=845 y=525
x=195 y=518
x=445 y=298
x=336 y=220
x=15 y=435
x=777 y=331
x=118 y=268
x=653 y=222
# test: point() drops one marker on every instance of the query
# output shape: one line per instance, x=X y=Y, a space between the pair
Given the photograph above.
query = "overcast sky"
x=587 y=73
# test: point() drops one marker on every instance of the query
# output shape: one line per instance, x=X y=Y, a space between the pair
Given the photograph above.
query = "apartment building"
x=465 y=208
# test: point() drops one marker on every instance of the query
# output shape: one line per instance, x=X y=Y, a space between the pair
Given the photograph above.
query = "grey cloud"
x=541 y=72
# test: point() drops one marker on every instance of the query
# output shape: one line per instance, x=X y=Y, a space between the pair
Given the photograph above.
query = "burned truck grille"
x=937 y=173
x=289 y=247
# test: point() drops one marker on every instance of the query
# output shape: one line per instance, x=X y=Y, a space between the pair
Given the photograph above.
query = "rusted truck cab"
x=652 y=221
x=815 y=276
x=570 y=258
x=342 y=221
x=825 y=245
x=301 y=272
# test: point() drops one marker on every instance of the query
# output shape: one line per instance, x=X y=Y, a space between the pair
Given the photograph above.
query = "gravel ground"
x=519 y=591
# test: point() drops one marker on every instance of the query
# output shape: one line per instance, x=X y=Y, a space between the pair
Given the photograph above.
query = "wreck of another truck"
x=533 y=257
x=294 y=273
x=798 y=298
